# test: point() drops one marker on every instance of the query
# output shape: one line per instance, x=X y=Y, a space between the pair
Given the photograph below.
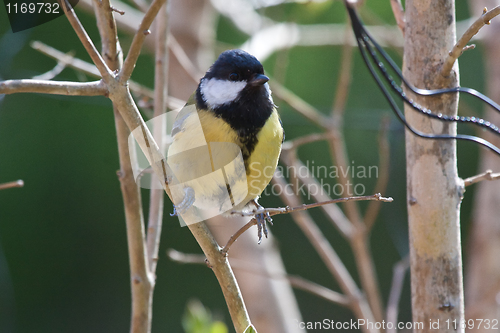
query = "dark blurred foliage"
x=63 y=251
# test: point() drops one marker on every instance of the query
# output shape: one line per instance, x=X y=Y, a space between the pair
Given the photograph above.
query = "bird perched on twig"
x=226 y=142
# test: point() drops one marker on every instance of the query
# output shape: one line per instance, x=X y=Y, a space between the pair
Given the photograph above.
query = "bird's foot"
x=186 y=203
x=262 y=218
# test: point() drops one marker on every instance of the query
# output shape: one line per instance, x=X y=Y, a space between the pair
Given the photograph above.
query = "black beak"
x=258 y=80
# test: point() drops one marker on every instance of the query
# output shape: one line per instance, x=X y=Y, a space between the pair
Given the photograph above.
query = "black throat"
x=246 y=115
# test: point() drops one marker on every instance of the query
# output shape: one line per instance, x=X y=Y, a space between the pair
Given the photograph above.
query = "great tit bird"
x=226 y=141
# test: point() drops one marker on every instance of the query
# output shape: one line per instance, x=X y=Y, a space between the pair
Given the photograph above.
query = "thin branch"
x=288 y=210
x=183 y=59
x=135 y=47
x=85 y=39
x=156 y=202
x=344 y=81
x=333 y=212
x=295 y=281
x=186 y=258
x=332 y=261
x=142 y=282
x=67 y=59
x=457 y=50
x=121 y=12
x=95 y=88
x=398 y=276
x=320 y=291
x=303 y=140
x=60 y=66
x=383 y=175
x=17 y=183
x=487 y=175
x=359 y=238
x=107 y=29
x=297 y=103
x=399 y=14
x=91 y=70
x=141 y=4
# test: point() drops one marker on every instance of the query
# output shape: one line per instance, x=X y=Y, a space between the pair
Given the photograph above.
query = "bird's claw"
x=262 y=218
x=186 y=203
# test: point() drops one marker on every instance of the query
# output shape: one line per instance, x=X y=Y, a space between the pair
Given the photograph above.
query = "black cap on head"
x=235 y=65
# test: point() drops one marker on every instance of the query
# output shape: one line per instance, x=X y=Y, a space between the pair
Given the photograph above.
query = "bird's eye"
x=233 y=76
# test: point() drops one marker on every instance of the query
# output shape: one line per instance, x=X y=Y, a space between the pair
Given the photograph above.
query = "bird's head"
x=234 y=75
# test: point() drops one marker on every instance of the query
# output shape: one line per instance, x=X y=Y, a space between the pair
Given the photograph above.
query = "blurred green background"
x=63 y=250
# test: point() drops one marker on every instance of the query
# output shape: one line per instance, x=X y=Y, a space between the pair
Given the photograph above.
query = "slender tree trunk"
x=483 y=268
x=434 y=189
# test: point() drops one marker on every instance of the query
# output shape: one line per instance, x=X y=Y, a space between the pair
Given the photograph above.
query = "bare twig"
x=398 y=276
x=186 y=258
x=399 y=14
x=299 y=104
x=295 y=281
x=86 y=41
x=343 y=82
x=383 y=175
x=107 y=29
x=142 y=282
x=17 y=183
x=141 y=4
x=95 y=88
x=333 y=212
x=332 y=261
x=288 y=210
x=67 y=59
x=60 y=66
x=157 y=196
x=457 y=50
x=318 y=290
x=91 y=70
x=487 y=175
x=135 y=47
x=359 y=238
x=303 y=140
x=121 y=12
x=183 y=59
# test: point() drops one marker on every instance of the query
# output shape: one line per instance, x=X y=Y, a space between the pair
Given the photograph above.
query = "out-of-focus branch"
x=318 y=290
x=359 y=239
x=85 y=40
x=91 y=70
x=17 y=183
x=383 y=175
x=95 y=88
x=141 y=281
x=60 y=66
x=333 y=212
x=359 y=304
x=398 y=276
x=287 y=210
x=157 y=196
x=135 y=47
x=297 y=103
x=344 y=81
x=487 y=175
x=399 y=14
x=457 y=50
x=296 y=281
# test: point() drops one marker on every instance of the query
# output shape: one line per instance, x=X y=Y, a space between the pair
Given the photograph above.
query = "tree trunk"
x=434 y=189
x=483 y=268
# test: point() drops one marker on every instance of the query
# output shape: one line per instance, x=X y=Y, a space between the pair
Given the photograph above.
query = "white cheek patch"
x=269 y=93
x=219 y=92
